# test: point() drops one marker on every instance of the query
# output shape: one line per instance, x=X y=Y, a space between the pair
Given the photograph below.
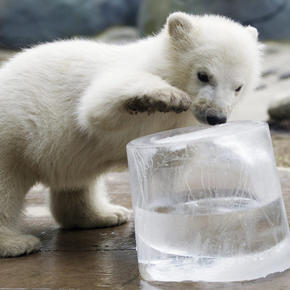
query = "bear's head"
x=215 y=60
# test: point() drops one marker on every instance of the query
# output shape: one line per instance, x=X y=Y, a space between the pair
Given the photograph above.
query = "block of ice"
x=208 y=204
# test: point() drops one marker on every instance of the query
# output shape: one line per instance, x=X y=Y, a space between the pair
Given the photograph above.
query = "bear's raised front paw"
x=16 y=245
x=162 y=100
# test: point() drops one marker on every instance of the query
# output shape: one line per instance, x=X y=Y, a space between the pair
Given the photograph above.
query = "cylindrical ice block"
x=208 y=204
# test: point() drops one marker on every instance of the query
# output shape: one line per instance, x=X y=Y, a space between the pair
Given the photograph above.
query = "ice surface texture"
x=208 y=204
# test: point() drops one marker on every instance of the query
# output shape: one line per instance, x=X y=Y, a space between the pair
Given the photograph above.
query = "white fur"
x=63 y=118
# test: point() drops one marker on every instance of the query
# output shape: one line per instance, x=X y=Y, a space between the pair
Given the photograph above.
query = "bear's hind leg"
x=12 y=193
x=86 y=208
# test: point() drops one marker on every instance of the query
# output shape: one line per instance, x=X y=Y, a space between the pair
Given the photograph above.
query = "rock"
x=285 y=75
x=26 y=22
x=271 y=17
x=283 y=125
x=280 y=110
x=118 y=35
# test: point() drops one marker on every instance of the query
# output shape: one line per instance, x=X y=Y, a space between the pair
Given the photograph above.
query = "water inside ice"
x=214 y=239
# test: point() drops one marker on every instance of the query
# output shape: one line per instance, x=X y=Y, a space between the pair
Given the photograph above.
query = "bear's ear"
x=253 y=31
x=179 y=25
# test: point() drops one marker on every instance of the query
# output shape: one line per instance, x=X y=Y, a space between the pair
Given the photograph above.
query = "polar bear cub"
x=68 y=108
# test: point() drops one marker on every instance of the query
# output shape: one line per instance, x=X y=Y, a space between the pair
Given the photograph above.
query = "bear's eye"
x=238 y=89
x=203 y=77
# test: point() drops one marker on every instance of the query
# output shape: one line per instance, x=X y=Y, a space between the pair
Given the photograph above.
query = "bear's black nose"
x=214 y=120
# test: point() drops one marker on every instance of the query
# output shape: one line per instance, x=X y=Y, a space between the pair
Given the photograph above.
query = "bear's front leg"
x=114 y=95
x=87 y=207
